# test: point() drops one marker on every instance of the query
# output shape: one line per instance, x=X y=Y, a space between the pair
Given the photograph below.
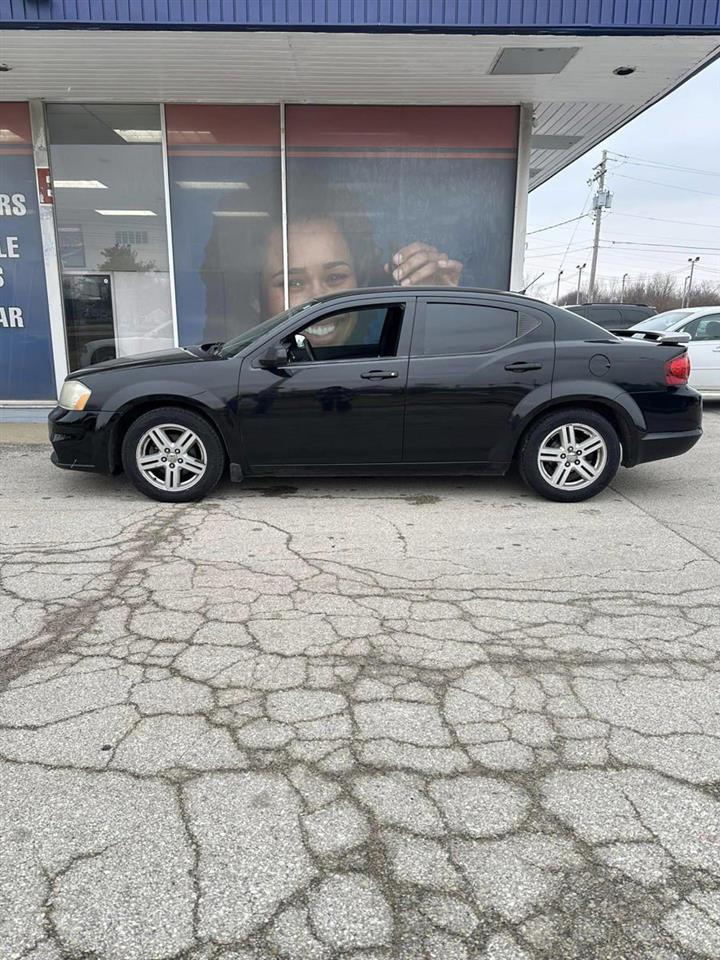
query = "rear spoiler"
x=670 y=338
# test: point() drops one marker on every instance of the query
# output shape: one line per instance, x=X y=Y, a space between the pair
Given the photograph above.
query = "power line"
x=672 y=186
x=666 y=246
x=688 y=223
x=572 y=236
x=550 y=254
x=642 y=162
x=552 y=225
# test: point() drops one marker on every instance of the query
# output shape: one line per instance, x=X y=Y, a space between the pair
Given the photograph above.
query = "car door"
x=704 y=351
x=472 y=361
x=338 y=400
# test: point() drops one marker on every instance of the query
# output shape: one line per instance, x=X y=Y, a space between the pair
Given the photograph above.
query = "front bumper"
x=77 y=444
x=660 y=446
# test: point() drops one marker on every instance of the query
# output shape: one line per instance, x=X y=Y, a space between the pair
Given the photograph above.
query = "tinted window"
x=605 y=316
x=453 y=328
x=708 y=328
x=363 y=333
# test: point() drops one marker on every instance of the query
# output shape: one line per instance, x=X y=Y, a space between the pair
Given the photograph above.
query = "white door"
x=704 y=350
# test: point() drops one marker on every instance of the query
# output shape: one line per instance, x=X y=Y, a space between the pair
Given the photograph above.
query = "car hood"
x=156 y=358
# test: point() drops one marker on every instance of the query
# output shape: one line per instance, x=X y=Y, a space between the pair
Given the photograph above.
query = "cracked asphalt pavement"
x=379 y=719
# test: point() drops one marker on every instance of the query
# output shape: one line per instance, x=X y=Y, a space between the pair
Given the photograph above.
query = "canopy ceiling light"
x=526 y=60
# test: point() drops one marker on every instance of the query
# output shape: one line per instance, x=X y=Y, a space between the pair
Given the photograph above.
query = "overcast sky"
x=683 y=130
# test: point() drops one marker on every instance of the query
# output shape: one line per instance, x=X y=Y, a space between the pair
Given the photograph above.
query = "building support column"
x=49 y=244
x=522 y=183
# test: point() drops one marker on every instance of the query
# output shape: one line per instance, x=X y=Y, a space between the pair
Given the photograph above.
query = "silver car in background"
x=703 y=325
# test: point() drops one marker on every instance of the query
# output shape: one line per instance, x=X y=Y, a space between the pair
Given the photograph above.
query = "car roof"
x=430 y=290
x=713 y=309
x=612 y=303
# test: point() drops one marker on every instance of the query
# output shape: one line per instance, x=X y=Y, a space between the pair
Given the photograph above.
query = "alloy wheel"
x=171 y=457
x=572 y=456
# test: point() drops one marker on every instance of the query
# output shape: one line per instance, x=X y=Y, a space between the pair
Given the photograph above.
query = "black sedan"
x=387 y=381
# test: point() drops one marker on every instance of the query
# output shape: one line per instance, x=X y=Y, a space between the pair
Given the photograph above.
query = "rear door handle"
x=379 y=375
x=520 y=366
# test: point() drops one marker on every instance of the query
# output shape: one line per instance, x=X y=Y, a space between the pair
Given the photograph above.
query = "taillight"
x=677 y=371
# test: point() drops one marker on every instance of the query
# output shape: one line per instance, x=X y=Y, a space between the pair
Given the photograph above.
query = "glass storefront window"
x=107 y=172
x=225 y=196
x=399 y=195
x=26 y=361
x=376 y=195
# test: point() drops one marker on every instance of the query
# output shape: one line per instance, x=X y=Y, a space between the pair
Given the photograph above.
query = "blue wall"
x=554 y=16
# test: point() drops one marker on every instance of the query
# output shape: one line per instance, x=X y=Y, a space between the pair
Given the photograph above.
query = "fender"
x=137 y=397
x=629 y=416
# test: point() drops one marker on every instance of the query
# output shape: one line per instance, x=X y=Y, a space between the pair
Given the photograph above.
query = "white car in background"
x=703 y=325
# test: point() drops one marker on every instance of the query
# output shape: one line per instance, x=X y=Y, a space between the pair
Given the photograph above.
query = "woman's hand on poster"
x=418 y=263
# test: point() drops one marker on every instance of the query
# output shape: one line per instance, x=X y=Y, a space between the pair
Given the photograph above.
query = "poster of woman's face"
x=402 y=196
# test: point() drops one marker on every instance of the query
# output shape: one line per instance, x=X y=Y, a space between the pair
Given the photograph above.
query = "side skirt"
x=489 y=468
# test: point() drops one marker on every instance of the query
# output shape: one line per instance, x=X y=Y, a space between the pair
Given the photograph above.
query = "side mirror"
x=276 y=356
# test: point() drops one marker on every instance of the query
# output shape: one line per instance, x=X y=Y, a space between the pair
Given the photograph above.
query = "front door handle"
x=379 y=375
x=520 y=366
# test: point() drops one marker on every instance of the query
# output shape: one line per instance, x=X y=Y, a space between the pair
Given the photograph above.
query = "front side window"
x=708 y=328
x=363 y=333
x=457 y=328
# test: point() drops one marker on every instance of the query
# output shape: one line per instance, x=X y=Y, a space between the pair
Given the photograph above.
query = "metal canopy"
x=574 y=108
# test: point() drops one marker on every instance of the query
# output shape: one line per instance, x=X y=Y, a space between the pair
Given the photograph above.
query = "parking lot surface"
x=362 y=718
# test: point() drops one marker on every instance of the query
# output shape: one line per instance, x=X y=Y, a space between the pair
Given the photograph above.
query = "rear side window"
x=456 y=328
x=604 y=315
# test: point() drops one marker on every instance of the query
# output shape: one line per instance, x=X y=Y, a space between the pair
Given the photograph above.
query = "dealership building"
x=175 y=171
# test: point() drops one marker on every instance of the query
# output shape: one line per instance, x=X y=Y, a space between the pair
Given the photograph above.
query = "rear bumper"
x=660 y=446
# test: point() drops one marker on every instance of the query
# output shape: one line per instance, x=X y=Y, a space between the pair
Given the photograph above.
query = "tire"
x=173 y=455
x=560 y=435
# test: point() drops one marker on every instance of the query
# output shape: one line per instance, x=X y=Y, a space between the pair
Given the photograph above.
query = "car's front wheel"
x=570 y=455
x=172 y=454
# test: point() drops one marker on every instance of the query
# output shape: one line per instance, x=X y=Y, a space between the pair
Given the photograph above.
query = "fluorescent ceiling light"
x=140 y=136
x=240 y=213
x=213 y=184
x=126 y=213
x=9 y=136
x=79 y=185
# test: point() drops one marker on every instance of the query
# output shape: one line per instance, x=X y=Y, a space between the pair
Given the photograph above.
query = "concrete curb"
x=23 y=433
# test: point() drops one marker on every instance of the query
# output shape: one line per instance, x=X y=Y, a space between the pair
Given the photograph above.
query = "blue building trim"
x=468 y=16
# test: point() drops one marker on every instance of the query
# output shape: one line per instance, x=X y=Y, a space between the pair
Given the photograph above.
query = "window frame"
x=421 y=320
x=407 y=302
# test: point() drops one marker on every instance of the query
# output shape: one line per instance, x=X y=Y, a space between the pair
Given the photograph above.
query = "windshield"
x=232 y=347
x=663 y=321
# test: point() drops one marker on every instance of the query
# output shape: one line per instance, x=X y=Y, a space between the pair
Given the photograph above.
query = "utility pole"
x=622 y=289
x=580 y=267
x=692 y=261
x=685 y=283
x=557 y=292
x=601 y=201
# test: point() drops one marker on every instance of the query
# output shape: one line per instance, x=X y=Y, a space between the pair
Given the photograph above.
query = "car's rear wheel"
x=570 y=455
x=173 y=455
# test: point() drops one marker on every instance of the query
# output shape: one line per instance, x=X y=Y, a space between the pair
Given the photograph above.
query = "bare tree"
x=663 y=291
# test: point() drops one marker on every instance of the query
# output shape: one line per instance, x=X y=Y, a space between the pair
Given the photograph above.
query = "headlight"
x=74 y=395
